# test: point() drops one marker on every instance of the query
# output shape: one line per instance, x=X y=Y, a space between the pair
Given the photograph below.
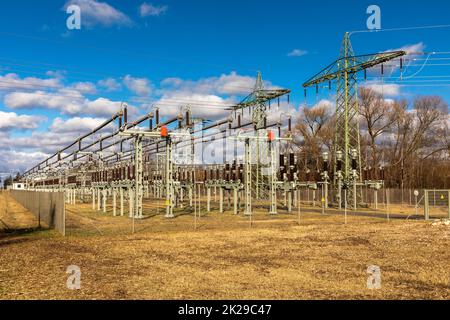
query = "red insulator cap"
x=164 y=132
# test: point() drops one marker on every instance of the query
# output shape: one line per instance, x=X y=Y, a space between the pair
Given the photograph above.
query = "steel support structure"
x=170 y=190
x=347 y=133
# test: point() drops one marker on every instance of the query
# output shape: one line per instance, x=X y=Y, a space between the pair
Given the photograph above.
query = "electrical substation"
x=171 y=151
x=126 y=161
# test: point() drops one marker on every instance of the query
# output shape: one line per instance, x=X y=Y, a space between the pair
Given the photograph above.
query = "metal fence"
x=436 y=198
x=48 y=207
x=394 y=196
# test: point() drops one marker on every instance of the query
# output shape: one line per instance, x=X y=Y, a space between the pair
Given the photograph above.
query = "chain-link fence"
x=436 y=199
x=405 y=197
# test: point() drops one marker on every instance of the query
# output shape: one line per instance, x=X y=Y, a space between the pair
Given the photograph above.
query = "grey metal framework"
x=136 y=161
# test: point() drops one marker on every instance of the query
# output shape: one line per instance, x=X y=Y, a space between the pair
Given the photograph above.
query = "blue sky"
x=143 y=52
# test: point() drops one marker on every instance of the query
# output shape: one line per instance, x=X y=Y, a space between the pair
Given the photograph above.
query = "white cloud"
x=75 y=125
x=12 y=161
x=104 y=107
x=226 y=84
x=85 y=87
x=139 y=86
x=208 y=98
x=11 y=120
x=69 y=102
x=147 y=10
x=42 y=99
x=170 y=104
x=297 y=53
x=390 y=90
x=12 y=81
x=411 y=52
x=100 y=13
x=110 y=84
x=326 y=104
x=411 y=48
x=58 y=74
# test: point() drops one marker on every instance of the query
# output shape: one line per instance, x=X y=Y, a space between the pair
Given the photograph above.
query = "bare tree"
x=412 y=138
x=315 y=127
x=377 y=117
x=417 y=133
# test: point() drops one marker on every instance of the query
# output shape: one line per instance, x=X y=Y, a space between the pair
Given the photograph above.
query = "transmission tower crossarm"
x=260 y=96
x=356 y=64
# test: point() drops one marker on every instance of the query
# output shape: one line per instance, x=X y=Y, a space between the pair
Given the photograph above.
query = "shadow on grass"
x=8 y=233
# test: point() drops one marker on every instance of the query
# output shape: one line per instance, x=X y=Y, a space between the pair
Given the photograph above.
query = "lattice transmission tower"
x=258 y=103
x=347 y=145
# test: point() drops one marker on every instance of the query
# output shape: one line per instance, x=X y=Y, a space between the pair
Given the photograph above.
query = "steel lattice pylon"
x=258 y=116
x=257 y=103
x=347 y=135
x=259 y=181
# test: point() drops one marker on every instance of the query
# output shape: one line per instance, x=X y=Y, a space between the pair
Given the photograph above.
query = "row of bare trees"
x=410 y=140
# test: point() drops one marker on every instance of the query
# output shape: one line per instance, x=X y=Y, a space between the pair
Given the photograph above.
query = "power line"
x=42 y=65
x=168 y=102
x=96 y=80
x=117 y=51
x=402 y=29
x=68 y=76
x=224 y=87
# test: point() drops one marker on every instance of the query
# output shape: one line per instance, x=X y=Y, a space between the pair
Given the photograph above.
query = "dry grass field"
x=222 y=256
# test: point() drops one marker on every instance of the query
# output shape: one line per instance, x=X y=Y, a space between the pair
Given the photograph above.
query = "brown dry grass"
x=225 y=258
x=14 y=217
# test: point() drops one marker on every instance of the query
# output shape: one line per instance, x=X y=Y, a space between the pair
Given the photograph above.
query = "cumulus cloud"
x=139 y=86
x=68 y=102
x=391 y=67
x=104 y=107
x=100 y=13
x=326 y=104
x=11 y=120
x=226 y=84
x=13 y=161
x=12 y=81
x=203 y=106
x=85 y=87
x=208 y=98
x=297 y=53
x=389 y=90
x=75 y=125
x=41 y=144
x=110 y=84
x=58 y=74
x=148 y=10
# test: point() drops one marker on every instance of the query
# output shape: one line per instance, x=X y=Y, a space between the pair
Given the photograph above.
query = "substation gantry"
x=258 y=105
x=347 y=145
x=136 y=161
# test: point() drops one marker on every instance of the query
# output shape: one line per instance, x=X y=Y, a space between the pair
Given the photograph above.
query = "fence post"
x=448 y=200
x=427 y=208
